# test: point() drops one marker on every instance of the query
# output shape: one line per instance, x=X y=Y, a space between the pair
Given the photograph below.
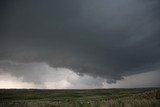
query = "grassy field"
x=146 y=97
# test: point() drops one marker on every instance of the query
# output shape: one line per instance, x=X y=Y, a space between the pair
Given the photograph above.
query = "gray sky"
x=97 y=44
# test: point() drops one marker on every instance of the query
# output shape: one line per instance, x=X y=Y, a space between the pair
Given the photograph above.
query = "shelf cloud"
x=106 y=39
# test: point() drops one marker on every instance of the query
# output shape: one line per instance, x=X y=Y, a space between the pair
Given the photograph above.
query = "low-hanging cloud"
x=107 y=38
x=41 y=75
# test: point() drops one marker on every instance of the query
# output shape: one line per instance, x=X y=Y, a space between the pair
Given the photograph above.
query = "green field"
x=146 y=97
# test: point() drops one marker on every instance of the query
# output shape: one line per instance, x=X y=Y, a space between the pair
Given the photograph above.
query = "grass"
x=146 y=97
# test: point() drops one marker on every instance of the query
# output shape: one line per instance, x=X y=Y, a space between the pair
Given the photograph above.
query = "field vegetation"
x=146 y=97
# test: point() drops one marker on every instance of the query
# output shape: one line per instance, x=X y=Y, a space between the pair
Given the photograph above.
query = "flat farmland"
x=143 y=97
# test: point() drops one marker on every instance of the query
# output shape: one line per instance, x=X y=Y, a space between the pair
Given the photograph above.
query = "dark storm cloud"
x=106 y=38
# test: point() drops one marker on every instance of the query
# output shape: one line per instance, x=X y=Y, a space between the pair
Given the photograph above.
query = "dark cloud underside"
x=106 y=38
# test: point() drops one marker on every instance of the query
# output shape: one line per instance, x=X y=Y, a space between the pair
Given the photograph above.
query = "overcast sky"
x=79 y=43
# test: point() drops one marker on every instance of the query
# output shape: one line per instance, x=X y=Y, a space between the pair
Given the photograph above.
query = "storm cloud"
x=109 y=39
